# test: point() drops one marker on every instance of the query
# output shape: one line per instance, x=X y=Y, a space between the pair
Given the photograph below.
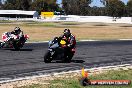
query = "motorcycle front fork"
x=2 y=44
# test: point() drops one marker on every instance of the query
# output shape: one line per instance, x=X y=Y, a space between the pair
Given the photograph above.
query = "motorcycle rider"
x=17 y=31
x=71 y=41
x=11 y=35
x=70 y=38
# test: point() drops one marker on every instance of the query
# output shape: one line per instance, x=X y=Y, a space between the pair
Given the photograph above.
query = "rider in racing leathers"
x=17 y=31
x=71 y=41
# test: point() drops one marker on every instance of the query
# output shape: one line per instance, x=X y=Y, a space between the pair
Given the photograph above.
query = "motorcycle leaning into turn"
x=13 y=41
x=59 y=50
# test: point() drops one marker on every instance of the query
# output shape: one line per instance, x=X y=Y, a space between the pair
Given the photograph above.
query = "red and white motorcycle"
x=13 y=41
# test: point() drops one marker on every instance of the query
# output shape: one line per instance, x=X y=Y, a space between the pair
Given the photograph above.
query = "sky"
x=96 y=2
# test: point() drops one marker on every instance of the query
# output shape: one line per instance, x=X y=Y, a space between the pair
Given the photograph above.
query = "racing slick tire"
x=16 y=46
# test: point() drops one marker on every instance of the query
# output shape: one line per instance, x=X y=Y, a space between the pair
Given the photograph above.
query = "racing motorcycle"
x=58 y=50
x=13 y=41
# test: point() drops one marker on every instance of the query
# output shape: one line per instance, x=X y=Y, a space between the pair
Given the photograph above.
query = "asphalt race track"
x=29 y=60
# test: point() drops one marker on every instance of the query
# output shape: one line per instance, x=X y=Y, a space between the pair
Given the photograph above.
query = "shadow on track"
x=72 y=61
x=18 y=50
x=78 y=61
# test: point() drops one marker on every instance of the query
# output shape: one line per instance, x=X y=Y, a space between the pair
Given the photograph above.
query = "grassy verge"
x=43 y=31
x=73 y=82
x=5 y=21
x=44 y=24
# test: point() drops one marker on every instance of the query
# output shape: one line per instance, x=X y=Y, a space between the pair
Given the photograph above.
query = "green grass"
x=52 y=24
x=5 y=21
x=43 y=31
x=70 y=23
x=45 y=24
x=74 y=82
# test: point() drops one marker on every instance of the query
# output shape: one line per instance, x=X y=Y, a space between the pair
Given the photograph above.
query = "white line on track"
x=82 y=40
x=87 y=40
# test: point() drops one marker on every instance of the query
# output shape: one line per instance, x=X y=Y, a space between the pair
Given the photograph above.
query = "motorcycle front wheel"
x=47 y=57
x=16 y=45
x=0 y=44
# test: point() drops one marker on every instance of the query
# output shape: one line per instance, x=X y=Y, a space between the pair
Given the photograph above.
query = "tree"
x=97 y=11
x=17 y=4
x=114 y=8
x=1 y=5
x=38 y=5
x=84 y=7
x=44 y=5
x=25 y=4
x=9 y=4
x=76 y=7
x=129 y=8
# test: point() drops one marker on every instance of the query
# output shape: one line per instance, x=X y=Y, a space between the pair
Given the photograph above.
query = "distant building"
x=18 y=14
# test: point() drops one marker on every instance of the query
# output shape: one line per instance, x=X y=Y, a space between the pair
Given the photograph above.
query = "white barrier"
x=104 y=19
x=75 y=18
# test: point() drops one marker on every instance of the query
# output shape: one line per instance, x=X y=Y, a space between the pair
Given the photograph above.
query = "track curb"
x=91 y=71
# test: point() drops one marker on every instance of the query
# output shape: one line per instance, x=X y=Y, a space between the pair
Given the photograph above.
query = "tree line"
x=37 y=5
x=114 y=8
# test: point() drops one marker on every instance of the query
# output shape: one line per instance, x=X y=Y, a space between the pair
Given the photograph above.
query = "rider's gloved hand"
x=69 y=45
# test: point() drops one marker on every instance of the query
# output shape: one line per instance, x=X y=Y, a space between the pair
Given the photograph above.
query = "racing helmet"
x=67 y=32
x=17 y=30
